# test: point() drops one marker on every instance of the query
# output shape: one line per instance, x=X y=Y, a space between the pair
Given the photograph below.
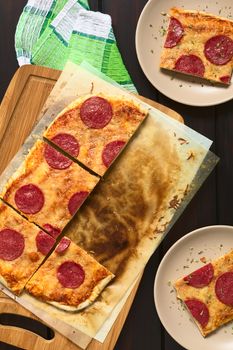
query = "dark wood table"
x=212 y=204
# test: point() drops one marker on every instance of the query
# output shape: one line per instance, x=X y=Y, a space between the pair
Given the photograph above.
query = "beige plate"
x=210 y=242
x=149 y=43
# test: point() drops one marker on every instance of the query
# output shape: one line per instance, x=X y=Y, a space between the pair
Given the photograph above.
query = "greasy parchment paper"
x=133 y=207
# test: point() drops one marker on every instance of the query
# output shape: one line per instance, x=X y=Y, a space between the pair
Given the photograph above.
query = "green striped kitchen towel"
x=50 y=32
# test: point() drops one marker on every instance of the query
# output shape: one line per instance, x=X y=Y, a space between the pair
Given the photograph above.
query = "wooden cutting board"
x=19 y=111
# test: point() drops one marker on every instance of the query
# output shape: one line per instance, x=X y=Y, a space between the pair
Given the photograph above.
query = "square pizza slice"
x=48 y=188
x=70 y=279
x=23 y=247
x=199 y=44
x=208 y=293
x=94 y=129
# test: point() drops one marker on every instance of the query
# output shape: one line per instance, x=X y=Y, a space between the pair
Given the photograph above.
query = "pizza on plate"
x=23 y=247
x=48 y=188
x=70 y=279
x=94 y=129
x=208 y=293
x=199 y=44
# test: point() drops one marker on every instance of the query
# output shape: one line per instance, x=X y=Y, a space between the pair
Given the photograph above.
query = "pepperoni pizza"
x=199 y=44
x=48 y=188
x=70 y=279
x=94 y=129
x=23 y=247
x=208 y=293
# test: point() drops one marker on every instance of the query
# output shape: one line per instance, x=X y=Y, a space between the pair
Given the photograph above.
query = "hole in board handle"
x=28 y=323
x=5 y=346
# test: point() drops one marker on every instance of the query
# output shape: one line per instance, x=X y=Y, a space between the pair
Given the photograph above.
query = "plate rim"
x=179 y=100
x=165 y=257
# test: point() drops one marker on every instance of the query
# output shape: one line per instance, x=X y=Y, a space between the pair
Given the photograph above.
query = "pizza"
x=23 y=247
x=94 y=129
x=199 y=44
x=70 y=279
x=48 y=188
x=208 y=293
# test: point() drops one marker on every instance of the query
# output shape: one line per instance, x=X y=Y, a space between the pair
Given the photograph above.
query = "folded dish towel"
x=50 y=32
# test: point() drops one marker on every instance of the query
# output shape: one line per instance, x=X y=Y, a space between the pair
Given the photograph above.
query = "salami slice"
x=219 y=49
x=174 y=34
x=29 y=199
x=96 y=112
x=201 y=277
x=44 y=242
x=111 y=151
x=68 y=143
x=53 y=231
x=63 y=245
x=76 y=201
x=55 y=159
x=70 y=274
x=224 y=288
x=190 y=64
x=11 y=244
x=225 y=79
x=198 y=310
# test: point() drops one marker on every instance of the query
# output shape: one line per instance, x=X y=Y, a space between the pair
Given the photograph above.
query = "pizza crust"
x=198 y=28
x=57 y=185
x=46 y=285
x=95 y=293
x=127 y=117
x=219 y=313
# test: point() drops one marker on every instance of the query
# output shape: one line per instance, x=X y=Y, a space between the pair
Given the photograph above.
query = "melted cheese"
x=219 y=313
x=127 y=116
x=58 y=186
x=14 y=274
x=45 y=285
x=198 y=28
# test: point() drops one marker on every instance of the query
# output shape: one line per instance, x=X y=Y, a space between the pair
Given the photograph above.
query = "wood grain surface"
x=211 y=205
x=19 y=112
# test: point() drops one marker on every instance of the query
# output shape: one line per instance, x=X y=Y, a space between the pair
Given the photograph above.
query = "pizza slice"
x=70 y=279
x=199 y=44
x=208 y=293
x=48 y=188
x=23 y=247
x=95 y=129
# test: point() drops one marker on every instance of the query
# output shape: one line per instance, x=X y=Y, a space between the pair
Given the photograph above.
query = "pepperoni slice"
x=68 y=143
x=190 y=64
x=11 y=244
x=96 y=112
x=70 y=274
x=224 y=288
x=225 y=79
x=44 y=242
x=76 y=201
x=111 y=151
x=198 y=310
x=201 y=277
x=29 y=199
x=55 y=159
x=174 y=34
x=53 y=231
x=63 y=245
x=219 y=49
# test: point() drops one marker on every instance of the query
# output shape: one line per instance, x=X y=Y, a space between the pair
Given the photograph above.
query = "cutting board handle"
x=21 y=328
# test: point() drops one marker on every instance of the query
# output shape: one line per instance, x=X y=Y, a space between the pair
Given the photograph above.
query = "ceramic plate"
x=149 y=42
x=182 y=258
